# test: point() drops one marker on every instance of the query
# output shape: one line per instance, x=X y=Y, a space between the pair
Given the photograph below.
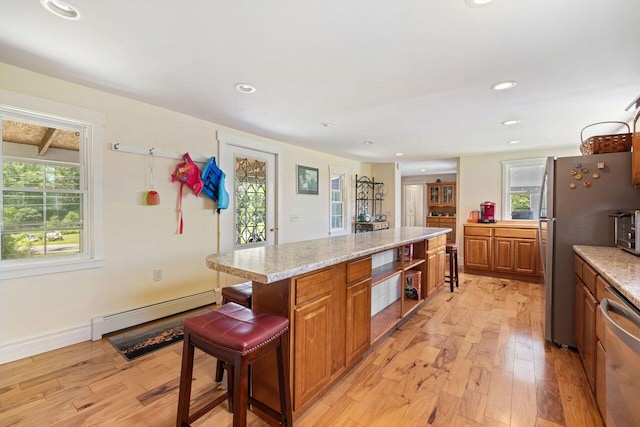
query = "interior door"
x=410 y=203
x=251 y=219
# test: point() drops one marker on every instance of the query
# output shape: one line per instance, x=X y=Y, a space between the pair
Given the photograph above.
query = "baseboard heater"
x=126 y=319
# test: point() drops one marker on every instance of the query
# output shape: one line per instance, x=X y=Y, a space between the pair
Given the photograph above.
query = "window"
x=48 y=199
x=522 y=182
x=338 y=194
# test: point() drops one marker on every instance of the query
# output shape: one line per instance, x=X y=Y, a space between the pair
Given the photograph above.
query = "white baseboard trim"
x=102 y=325
x=114 y=322
x=43 y=343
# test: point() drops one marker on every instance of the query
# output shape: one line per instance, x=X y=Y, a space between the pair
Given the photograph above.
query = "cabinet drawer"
x=589 y=277
x=313 y=286
x=436 y=242
x=517 y=233
x=601 y=286
x=477 y=231
x=358 y=270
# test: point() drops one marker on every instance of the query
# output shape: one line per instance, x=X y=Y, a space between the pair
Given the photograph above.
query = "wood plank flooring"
x=472 y=358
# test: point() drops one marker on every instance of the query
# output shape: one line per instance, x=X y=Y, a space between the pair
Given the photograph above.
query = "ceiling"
x=410 y=76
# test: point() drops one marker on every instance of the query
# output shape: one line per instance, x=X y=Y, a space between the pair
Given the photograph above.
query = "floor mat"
x=137 y=342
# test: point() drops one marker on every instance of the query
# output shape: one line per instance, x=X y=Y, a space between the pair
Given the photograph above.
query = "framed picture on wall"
x=307 y=180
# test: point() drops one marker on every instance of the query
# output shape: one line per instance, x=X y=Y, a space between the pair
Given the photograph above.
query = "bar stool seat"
x=240 y=294
x=238 y=336
x=452 y=252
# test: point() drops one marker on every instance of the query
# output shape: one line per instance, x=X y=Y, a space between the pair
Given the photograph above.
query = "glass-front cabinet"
x=442 y=194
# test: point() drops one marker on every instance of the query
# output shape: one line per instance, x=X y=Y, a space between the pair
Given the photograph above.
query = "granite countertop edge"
x=236 y=262
x=619 y=268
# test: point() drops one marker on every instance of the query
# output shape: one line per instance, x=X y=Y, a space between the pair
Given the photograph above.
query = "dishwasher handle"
x=631 y=340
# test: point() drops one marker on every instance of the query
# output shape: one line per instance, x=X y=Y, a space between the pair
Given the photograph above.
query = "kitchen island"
x=324 y=287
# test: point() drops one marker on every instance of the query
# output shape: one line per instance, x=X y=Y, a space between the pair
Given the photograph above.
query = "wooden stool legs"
x=452 y=251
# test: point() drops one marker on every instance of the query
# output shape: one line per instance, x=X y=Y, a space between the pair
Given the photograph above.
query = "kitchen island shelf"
x=384 y=321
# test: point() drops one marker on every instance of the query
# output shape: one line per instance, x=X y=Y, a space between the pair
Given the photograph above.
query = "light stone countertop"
x=621 y=269
x=269 y=264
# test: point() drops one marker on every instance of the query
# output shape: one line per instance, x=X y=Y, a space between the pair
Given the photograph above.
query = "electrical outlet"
x=157 y=275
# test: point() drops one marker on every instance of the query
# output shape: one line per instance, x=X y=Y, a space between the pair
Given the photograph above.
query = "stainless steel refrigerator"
x=578 y=195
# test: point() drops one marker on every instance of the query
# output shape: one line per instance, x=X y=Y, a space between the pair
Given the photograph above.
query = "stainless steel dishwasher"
x=623 y=363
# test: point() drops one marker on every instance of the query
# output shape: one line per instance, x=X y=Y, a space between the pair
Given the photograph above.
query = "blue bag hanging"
x=213 y=179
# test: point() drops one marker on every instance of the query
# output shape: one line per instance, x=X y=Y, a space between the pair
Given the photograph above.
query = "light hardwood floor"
x=472 y=358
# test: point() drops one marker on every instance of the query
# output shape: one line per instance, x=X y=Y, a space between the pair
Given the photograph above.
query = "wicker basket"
x=605 y=143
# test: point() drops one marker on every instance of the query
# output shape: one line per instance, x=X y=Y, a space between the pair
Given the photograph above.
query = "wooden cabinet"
x=478 y=246
x=515 y=250
x=510 y=251
x=436 y=261
x=358 y=311
x=444 y=222
x=441 y=194
x=589 y=326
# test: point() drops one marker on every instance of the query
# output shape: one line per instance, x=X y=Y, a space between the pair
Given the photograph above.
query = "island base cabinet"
x=358 y=319
x=312 y=349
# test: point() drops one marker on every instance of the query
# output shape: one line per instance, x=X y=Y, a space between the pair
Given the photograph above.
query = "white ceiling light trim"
x=399 y=154
x=477 y=3
x=514 y=141
x=245 y=88
x=508 y=84
x=510 y=122
x=61 y=9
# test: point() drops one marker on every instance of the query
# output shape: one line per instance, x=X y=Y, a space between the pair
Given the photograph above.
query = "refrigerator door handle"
x=545 y=219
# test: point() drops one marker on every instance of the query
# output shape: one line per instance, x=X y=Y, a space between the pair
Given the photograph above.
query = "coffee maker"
x=487 y=212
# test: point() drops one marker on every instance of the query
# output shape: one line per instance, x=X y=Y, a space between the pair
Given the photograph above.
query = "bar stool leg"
x=185 y=383
x=240 y=392
x=456 y=261
x=286 y=415
x=451 y=278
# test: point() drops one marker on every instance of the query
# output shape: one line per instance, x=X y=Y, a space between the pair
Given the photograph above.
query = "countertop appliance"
x=578 y=195
x=626 y=235
x=622 y=323
x=487 y=212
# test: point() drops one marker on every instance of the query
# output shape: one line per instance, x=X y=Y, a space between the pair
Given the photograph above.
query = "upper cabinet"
x=442 y=194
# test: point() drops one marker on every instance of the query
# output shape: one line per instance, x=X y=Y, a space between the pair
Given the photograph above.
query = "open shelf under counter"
x=410 y=304
x=382 y=273
x=385 y=320
x=413 y=264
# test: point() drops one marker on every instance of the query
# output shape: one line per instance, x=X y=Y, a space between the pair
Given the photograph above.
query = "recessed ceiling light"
x=510 y=122
x=477 y=3
x=245 y=88
x=515 y=141
x=61 y=9
x=368 y=143
x=504 y=85
x=326 y=124
x=399 y=154
x=423 y=170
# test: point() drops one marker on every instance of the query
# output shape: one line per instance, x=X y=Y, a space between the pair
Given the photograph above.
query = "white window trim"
x=506 y=184
x=17 y=104
x=346 y=200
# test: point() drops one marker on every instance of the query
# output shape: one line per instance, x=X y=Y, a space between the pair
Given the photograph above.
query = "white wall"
x=137 y=238
x=389 y=174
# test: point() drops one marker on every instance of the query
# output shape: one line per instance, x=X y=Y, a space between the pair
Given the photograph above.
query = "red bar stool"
x=240 y=294
x=452 y=252
x=238 y=336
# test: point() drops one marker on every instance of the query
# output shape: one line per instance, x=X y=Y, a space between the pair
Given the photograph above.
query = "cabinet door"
x=525 y=251
x=312 y=349
x=477 y=252
x=441 y=262
x=358 y=319
x=504 y=254
x=434 y=194
x=589 y=341
x=448 y=194
x=578 y=313
x=432 y=271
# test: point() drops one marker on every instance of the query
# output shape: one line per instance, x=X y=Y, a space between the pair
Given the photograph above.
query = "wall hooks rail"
x=153 y=152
